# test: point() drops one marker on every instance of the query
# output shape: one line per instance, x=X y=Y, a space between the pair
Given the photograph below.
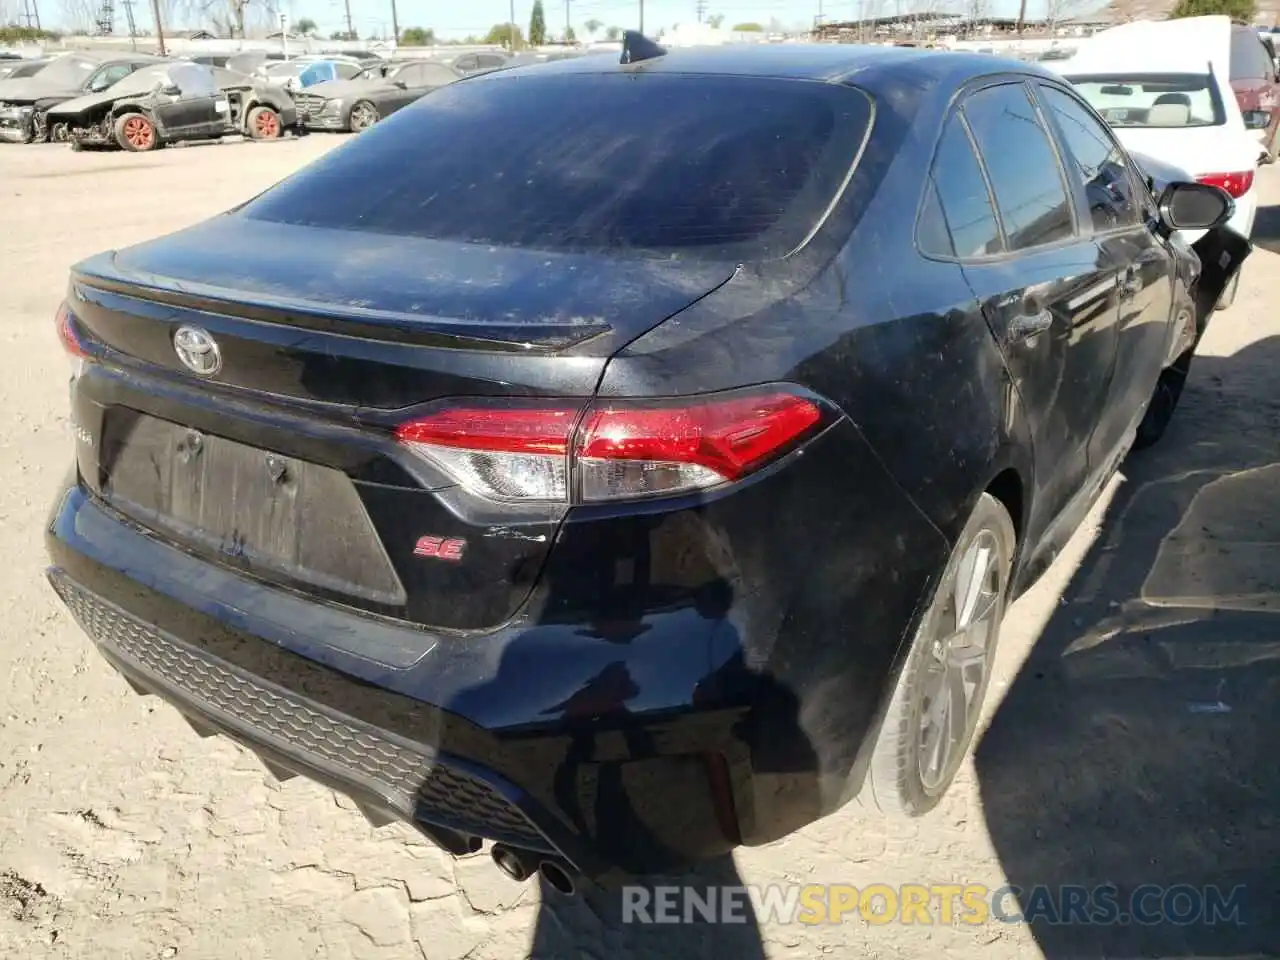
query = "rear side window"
x=957 y=219
x=1025 y=176
x=1094 y=163
x=662 y=165
x=1249 y=57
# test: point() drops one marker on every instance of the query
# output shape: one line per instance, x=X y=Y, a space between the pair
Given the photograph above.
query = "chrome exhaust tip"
x=557 y=877
x=511 y=862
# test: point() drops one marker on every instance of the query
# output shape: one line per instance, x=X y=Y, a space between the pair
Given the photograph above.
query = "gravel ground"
x=1130 y=722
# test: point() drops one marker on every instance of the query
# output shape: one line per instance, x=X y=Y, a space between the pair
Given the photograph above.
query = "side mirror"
x=400 y=84
x=1195 y=206
x=1256 y=119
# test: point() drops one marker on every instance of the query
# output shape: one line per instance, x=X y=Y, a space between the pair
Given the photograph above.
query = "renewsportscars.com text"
x=943 y=904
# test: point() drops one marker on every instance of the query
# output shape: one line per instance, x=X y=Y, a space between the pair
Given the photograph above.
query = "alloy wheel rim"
x=138 y=132
x=364 y=115
x=267 y=124
x=957 y=658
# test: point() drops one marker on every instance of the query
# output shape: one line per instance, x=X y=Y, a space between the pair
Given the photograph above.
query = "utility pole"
x=642 y=16
x=511 y=34
x=155 y=10
x=133 y=27
x=395 y=22
x=566 y=20
x=701 y=8
x=31 y=13
x=351 y=31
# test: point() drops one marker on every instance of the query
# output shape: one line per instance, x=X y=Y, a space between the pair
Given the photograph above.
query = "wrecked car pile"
x=139 y=102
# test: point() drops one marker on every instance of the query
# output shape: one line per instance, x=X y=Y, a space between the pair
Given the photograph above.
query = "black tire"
x=363 y=116
x=896 y=783
x=1164 y=401
x=131 y=132
x=1229 y=292
x=263 y=123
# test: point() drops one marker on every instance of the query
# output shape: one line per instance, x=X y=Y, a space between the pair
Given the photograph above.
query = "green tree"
x=537 y=25
x=748 y=28
x=1235 y=9
x=417 y=37
x=305 y=26
x=506 y=34
x=569 y=35
x=715 y=20
x=613 y=33
x=593 y=27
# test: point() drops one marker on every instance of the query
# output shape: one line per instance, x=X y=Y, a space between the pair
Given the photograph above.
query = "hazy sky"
x=478 y=15
x=457 y=20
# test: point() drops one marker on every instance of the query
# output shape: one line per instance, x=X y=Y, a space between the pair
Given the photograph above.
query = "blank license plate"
x=263 y=509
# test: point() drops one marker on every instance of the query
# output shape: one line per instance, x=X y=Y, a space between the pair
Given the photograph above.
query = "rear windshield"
x=1154 y=100
x=665 y=165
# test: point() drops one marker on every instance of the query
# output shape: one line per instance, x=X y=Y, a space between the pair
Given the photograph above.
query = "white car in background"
x=1163 y=87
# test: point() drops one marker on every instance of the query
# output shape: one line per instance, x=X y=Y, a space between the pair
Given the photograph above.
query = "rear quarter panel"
x=899 y=343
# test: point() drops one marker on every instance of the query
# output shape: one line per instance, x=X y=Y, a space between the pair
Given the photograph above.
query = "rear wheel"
x=363 y=115
x=938 y=698
x=1168 y=391
x=1163 y=402
x=135 y=133
x=59 y=133
x=264 y=124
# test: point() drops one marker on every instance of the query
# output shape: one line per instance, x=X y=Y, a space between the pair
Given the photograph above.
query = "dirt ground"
x=1131 y=724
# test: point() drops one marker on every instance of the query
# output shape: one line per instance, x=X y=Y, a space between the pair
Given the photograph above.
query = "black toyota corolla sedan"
x=624 y=461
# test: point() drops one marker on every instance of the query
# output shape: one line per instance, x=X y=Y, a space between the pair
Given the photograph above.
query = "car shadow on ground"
x=1140 y=742
x=1266 y=228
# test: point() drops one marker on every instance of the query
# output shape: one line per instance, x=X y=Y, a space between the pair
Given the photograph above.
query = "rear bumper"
x=478 y=763
x=625 y=739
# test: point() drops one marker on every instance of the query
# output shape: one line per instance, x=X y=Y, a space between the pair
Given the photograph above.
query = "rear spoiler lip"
x=359 y=322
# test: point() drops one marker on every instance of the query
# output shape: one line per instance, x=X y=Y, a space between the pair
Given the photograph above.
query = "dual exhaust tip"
x=520 y=865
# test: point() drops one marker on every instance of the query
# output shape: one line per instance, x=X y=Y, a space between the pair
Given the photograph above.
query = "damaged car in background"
x=259 y=109
x=25 y=103
x=354 y=105
x=151 y=108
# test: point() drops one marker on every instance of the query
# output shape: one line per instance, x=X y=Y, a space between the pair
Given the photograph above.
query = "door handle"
x=1030 y=323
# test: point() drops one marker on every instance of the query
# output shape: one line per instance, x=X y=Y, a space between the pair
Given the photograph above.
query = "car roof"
x=800 y=61
x=1185 y=45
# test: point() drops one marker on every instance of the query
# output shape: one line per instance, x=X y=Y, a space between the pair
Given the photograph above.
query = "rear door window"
x=1026 y=177
x=1095 y=163
x=957 y=219
x=652 y=164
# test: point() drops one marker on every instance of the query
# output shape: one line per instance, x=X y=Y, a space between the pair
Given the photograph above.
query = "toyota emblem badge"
x=198 y=351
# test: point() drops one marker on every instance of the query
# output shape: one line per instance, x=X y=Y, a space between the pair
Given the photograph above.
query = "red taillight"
x=624 y=450
x=67 y=332
x=615 y=450
x=1236 y=184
